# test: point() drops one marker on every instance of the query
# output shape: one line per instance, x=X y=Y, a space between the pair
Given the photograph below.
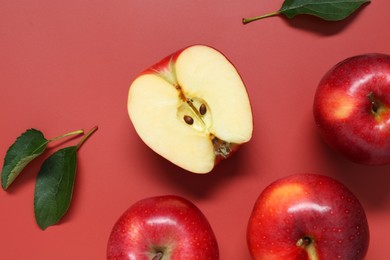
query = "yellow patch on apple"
x=284 y=193
x=340 y=106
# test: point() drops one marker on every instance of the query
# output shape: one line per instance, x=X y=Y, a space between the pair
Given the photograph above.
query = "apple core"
x=196 y=113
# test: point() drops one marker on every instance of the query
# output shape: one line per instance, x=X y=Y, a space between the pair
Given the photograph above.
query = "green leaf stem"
x=330 y=10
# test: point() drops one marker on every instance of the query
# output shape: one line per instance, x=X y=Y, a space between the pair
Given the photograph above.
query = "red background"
x=67 y=65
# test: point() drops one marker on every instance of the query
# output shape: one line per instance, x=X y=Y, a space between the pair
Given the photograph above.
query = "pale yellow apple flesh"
x=193 y=110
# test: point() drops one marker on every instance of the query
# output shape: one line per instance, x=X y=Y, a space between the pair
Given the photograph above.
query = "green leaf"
x=55 y=182
x=330 y=10
x=54 y=187
x=27 y=147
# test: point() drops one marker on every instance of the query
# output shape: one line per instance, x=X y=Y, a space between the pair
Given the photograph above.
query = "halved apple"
x=192 y=108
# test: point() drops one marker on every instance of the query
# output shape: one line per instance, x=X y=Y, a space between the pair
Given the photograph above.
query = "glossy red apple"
x=307 y=216
x=162 y=228
x=191 y=108
x=352 y=108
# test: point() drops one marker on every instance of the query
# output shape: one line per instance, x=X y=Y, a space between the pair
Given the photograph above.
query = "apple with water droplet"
x=161 y=228
x=352 y=108
x=192 y=108
x=307 y=217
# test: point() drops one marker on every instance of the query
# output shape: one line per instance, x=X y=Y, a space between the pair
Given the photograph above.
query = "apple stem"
x=252 y=19
x=307 y=244
x=374 y=102
x=158 y=256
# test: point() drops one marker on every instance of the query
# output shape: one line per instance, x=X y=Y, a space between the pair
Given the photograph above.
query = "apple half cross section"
x=192 y=108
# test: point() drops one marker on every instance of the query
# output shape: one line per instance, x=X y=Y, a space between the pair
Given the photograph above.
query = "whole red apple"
x=162 y=228
x=307 y=216
x=352 y=108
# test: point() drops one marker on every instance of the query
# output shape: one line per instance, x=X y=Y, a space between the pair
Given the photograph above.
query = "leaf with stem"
x=330 y=10
x=26 y=148
x=54 y=186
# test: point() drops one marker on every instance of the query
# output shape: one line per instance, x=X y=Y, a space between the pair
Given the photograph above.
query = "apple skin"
x=307 y=216
x=352 y=108
x=162 y=228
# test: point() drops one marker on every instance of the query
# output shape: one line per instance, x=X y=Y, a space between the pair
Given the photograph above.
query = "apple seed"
x=189 y=120
x=202 y=109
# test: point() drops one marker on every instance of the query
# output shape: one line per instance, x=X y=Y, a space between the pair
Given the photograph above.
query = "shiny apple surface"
x=352 y=108
x=163 y=227
x=307 y=216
